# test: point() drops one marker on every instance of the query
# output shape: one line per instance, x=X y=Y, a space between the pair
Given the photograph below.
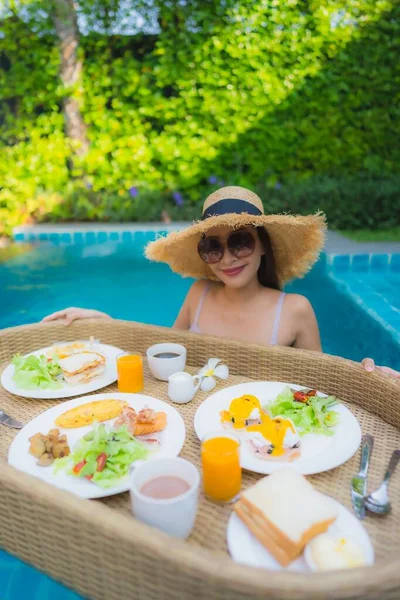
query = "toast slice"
x=285 y=512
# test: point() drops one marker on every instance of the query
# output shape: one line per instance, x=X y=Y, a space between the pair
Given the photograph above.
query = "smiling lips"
x=234 y=271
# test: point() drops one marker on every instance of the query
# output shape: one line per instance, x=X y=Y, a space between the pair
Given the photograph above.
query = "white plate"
x=246 y=549
x=318 y=452
x=171 y=440
x=67 y=390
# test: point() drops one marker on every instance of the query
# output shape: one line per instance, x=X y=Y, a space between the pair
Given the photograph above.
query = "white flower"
x=210 y=371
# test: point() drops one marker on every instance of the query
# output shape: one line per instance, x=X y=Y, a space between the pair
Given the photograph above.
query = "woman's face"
x=236 y=272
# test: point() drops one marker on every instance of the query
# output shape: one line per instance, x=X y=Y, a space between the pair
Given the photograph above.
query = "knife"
x=359 y=482
x=9 y=421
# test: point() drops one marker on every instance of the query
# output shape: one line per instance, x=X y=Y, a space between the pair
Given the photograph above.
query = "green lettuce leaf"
x=121 y=449
x=35 y=372
x=313 y=416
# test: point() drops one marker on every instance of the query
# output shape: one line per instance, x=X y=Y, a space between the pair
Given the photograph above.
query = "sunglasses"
x=240 y=244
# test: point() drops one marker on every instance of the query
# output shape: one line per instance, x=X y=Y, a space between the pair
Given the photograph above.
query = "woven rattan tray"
x=97 y=547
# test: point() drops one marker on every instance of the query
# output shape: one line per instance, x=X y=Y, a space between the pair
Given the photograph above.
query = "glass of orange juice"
x=222 y=475
x=130 y=373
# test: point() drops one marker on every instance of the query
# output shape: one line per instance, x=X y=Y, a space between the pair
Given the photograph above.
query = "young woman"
x=241 y=258
x=246 y=302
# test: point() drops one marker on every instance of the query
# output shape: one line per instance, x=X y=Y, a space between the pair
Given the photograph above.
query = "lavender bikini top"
x=274 y=338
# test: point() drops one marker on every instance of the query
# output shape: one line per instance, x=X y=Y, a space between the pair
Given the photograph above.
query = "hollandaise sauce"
x=275 y=431
x=241 y=411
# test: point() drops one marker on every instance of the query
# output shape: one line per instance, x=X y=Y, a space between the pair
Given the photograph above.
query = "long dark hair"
x=266 y=273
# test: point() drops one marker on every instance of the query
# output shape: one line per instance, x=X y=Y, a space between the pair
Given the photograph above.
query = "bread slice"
x=84 y=376
x=285 y=512
x=80 y=362
x=81 y=367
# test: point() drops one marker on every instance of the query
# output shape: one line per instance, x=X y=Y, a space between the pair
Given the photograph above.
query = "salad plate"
x=320 y=448
x=37 y=379
x=169 y=442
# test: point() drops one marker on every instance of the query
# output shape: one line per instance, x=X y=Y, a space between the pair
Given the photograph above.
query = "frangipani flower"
x=210 y=371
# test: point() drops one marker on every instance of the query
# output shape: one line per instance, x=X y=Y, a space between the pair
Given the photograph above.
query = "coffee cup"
x=164 y=494
x=182 y=387
x=166 y=359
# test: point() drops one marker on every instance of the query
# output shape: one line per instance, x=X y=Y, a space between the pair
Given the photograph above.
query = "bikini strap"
x=200 y=304
x=274 y=338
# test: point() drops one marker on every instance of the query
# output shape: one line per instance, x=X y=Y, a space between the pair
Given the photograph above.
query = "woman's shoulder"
x=201 y=286
x=198 y=289
x=187 y=313
x=299 y=305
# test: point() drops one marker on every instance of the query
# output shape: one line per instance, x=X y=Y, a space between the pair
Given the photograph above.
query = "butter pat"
x=328 y=553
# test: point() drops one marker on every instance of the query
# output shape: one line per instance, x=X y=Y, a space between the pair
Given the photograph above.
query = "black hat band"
x=229 y=206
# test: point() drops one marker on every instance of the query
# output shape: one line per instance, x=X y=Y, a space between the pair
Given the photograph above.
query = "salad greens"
x=36 y=372
x=312 y=416
x=103 y=456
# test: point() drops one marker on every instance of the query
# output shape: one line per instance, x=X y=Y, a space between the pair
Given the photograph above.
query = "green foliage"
x=366 y=235
x=87 y=205
x=349 y=202
x=290 y=91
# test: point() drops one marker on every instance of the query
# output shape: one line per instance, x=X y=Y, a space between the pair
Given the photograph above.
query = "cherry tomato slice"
x=300 y=397
x=79 y=466
x=101 y=461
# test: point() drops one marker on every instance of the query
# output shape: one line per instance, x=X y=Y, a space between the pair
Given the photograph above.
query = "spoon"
x=378 y=501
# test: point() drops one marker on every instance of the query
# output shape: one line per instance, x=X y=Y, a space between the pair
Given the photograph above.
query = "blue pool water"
x=114 y=277
x=16 y=578
x=373 y=282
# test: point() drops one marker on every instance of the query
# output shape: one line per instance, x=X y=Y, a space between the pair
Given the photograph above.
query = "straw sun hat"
x=296 y=241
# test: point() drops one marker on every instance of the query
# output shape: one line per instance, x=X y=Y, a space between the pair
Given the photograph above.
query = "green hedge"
x=349 y=202
x=289 y=93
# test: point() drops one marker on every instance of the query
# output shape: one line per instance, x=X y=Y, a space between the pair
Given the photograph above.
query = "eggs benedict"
x=274 y=438
x=243 y=411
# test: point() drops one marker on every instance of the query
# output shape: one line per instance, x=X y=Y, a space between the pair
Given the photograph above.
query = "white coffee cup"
x=162 y=368
x=182 y=387
x=175 y=516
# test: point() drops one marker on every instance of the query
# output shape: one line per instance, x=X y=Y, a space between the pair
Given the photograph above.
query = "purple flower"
x=278 y=185
x=88 y=185
x=212 y=179
x=221 y=182
x=133 y=191
x=177 y=196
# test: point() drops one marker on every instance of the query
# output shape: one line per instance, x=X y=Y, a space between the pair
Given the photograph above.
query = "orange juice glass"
x=222 y=475
x=130 y=373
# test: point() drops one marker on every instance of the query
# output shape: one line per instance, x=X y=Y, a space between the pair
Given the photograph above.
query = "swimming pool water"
x=19 y=581
x=114 y=277
x=378 y=293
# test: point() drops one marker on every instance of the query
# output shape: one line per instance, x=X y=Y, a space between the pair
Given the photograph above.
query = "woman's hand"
x=370 y=366
x=68 y=315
